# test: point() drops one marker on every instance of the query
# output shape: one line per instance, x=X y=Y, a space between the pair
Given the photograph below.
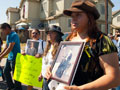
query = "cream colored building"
x=12 y=16
x=41 y=13
x=101 y=8
x=29 y=13
x=116 y=21
x=51 y=13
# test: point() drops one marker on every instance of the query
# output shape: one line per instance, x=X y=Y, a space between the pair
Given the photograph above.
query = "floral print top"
x=89 y=68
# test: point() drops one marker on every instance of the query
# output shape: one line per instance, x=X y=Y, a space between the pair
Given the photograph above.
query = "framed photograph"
x=67 y=58
x=32 y=47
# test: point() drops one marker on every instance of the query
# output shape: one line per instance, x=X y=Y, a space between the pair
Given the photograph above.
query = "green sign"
x=28 y=69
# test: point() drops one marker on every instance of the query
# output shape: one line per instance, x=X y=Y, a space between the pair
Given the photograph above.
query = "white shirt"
x=47 y=61
x=118 y=47
x=115 y=42
x=40 y=49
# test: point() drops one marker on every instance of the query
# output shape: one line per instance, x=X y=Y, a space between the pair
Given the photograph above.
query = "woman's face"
x=51 y=36
x=79 y=22
x=35 y=35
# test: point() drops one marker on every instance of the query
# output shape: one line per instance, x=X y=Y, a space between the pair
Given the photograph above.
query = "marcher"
x=12 y=48
x=1 y=69
x=113 y=38
x=118 y=48
x=35 y=35
x=98 y=68
x=54 y=37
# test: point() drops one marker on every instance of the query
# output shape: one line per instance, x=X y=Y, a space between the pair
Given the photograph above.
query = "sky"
x=117 y=5
x=15 y=3
x=3 y=7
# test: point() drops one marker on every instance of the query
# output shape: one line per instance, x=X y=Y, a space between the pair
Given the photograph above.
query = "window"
x=99 y=26
x=45 y=6
x=102 y=9
x=41 y=7
x=118 y=19
x=24 y=11
x=69 y=22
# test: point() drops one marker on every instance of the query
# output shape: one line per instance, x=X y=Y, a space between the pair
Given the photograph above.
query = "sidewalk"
x=3 y=85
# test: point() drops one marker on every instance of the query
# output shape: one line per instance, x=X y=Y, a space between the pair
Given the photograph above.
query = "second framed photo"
x=32 y=47
x=67 y=58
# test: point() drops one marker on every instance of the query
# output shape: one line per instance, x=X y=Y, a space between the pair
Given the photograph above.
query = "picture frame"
x=66 y=61
x=32 y=47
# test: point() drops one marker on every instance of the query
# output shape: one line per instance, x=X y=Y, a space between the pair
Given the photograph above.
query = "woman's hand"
x=37 y=55
x=40 y=77
x=48 y=73
x=23 y=53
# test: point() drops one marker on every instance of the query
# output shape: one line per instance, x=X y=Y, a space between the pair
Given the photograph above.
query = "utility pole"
x=106 y=16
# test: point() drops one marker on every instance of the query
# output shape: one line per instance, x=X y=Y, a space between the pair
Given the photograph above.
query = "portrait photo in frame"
x=32 y=47
x=67 y=58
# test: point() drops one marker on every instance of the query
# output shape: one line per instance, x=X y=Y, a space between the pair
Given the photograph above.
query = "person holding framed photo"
x=98 y=68
x=35 y=34
x=54 y=37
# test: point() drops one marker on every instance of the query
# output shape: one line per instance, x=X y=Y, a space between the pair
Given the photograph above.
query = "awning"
x=22 y=24
x=115 y=27
x=21 y=28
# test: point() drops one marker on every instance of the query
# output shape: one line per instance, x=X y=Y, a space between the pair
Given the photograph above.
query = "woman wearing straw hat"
x=98 y=68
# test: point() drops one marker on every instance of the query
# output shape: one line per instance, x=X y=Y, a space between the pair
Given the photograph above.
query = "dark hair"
x=36 y=30
x=92 y=27
x=1 y=41
x=5 y=25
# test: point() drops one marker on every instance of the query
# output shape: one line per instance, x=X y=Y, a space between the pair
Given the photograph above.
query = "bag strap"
x=42 y=46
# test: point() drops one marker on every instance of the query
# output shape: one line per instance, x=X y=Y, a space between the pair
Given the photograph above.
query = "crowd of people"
x=98 y=68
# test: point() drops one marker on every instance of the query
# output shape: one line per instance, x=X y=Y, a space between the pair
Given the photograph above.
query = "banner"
x=28 y=69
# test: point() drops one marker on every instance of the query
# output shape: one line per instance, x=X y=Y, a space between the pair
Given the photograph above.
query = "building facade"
x=12 y=16
x=116 y=21
x=51 y=13
x=42 y=13
x=29 y=13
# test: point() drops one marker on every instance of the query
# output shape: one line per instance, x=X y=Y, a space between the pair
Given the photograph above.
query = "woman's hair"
x=37 y=30
x=1 y=41
x=55 y=45
x=92 y=29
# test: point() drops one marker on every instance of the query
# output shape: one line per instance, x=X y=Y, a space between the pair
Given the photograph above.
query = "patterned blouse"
x=89 y=68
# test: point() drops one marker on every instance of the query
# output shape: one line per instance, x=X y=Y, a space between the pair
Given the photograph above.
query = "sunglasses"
x=35 y=33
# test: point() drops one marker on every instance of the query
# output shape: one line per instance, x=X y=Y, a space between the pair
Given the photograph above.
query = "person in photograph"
x=31 y=50
x=12 y=48
x=54 y=37
x=98 y=68
x=35 y=35
x=64 y=65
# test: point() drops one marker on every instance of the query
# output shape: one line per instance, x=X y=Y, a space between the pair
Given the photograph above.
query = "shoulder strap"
x=42 y=46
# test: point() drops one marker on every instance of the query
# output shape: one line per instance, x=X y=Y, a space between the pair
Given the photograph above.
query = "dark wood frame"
x=82 y=44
